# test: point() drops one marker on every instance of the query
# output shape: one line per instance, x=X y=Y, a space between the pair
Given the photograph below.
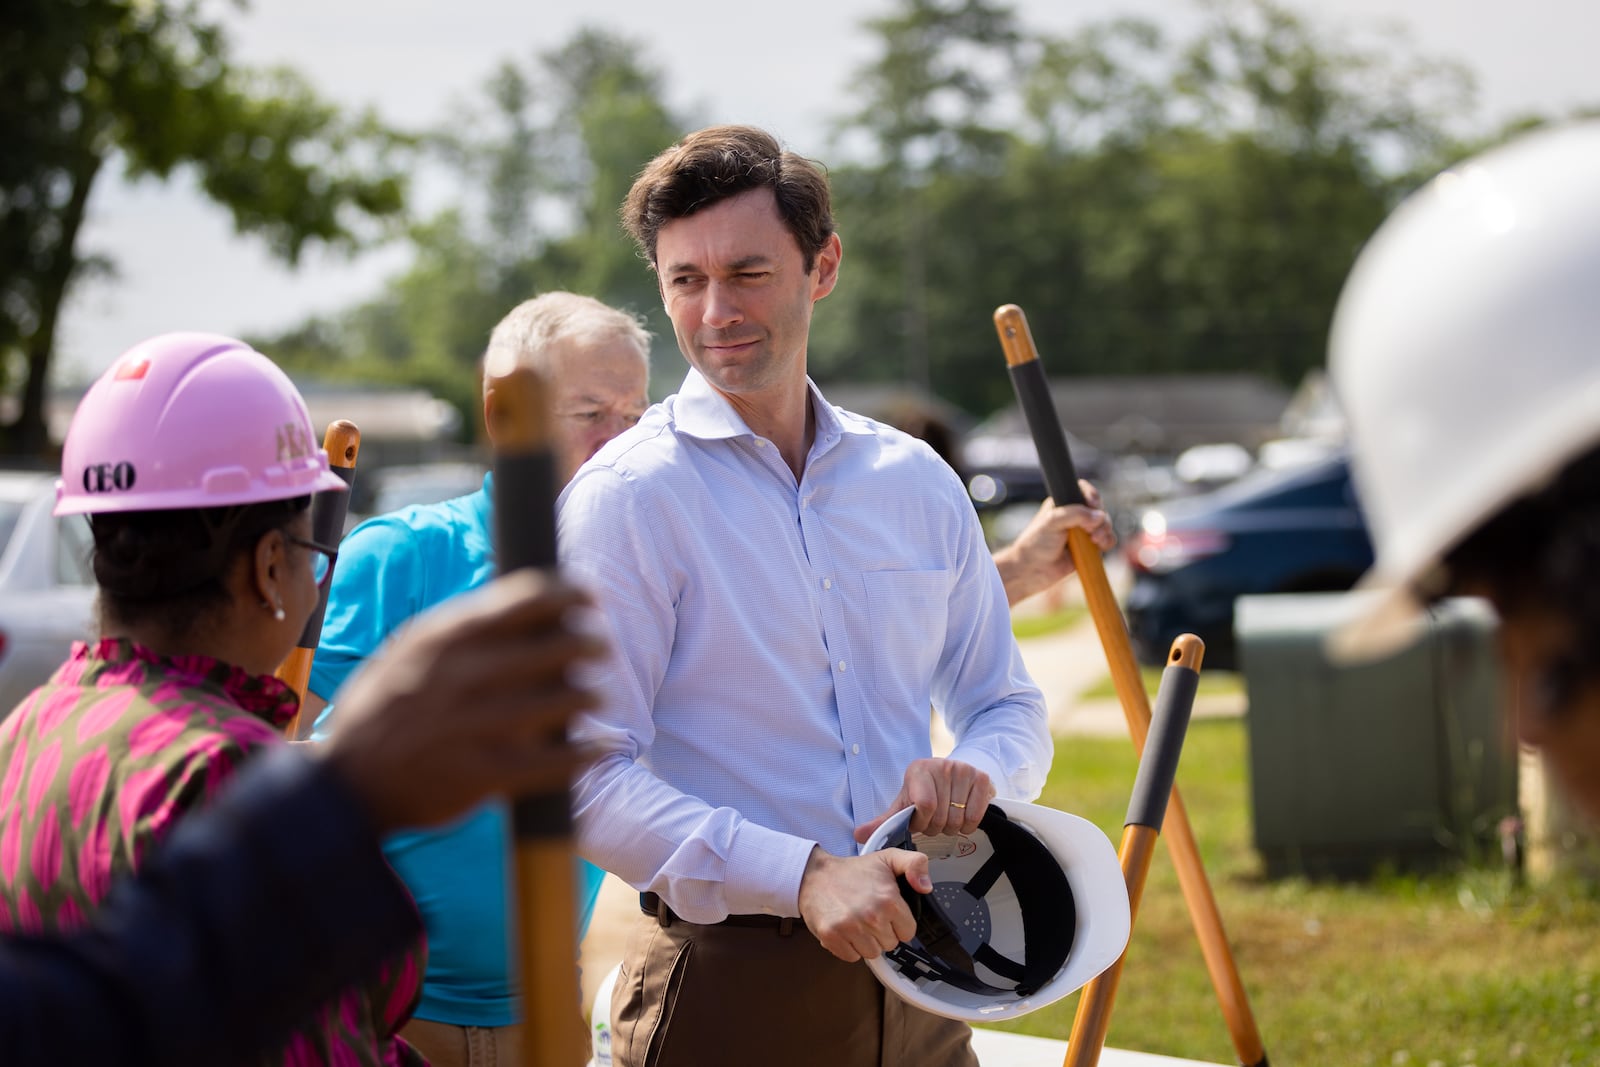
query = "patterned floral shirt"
x=102 y=760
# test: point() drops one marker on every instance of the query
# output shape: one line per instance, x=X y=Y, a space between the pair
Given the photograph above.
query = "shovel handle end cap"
x=1187 y=651
x=342 y=441
x=1012 y=325
x=517 y=410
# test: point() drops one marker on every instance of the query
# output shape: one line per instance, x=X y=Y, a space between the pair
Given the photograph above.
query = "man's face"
x=734 y=282
x=600 y=387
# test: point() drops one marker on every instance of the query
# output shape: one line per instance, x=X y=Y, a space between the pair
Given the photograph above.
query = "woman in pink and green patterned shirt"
x=194 y=459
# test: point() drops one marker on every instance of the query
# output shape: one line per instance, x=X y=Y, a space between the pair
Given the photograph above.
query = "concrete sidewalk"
x=996 y=1048
x=1069 y=663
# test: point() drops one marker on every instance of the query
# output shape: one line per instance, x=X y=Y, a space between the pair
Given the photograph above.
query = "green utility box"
x=1405 y=761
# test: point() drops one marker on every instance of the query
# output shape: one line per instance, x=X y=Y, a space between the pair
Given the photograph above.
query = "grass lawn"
x=1212 y=683
x=1444 y=971
x=1025 y=626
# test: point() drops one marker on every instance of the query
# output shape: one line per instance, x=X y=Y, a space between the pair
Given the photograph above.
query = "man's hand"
x=950 y=798
x=467 y=701
x=1038 y=558
x=853 y=905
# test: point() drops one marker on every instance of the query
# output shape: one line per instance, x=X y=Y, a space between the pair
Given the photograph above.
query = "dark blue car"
x=1272 y=531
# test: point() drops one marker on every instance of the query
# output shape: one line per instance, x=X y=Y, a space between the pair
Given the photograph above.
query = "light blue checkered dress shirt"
x=778 y=645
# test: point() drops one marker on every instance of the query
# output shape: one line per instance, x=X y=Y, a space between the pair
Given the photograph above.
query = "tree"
x=926 y=110
x=541 y=159
x=1281 y=150
x=1156 y=205
x=149 y=84
x=610 y=120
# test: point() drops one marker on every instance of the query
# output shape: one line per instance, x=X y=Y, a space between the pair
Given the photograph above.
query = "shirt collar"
x=700 y=411
x=118 y=661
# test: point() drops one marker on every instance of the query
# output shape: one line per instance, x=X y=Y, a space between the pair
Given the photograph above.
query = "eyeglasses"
x=321 y=563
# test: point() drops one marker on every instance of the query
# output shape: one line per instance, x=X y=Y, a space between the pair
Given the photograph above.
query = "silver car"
x=47 y=589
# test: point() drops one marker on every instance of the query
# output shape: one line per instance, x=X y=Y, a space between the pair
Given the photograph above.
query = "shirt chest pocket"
x=908 y=611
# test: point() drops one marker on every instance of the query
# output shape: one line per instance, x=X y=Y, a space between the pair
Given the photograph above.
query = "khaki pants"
x=702 y=996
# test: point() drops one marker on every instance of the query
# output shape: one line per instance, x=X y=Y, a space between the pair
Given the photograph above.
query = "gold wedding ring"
x=953 y=804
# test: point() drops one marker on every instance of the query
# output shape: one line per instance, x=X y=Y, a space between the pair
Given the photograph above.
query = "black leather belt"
x=652 y=904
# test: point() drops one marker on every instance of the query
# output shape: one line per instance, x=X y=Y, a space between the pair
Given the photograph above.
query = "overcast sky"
x=785 y=67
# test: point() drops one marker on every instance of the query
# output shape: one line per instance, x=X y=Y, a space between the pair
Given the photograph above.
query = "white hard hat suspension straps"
x=953 y=923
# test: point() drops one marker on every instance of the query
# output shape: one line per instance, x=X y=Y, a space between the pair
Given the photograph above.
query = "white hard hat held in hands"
x=1023 y=912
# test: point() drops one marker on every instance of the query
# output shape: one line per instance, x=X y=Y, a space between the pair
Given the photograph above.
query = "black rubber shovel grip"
x=1169 y=722
x=328 y=511
x=525 y=536
x=1044 y=426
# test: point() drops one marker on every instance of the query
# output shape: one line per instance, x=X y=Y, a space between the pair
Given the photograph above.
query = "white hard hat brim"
x=1386 y=613
x=1384 y=619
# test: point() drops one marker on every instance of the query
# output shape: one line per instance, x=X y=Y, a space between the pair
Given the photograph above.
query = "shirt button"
x=827 y=583
x=855 y=750
x=842 y=666
x=761 y=443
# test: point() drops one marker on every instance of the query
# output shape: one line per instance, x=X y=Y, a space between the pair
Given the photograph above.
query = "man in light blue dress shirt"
x=789 y=586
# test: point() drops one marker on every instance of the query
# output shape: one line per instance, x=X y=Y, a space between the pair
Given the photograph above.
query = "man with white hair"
x=595 y=360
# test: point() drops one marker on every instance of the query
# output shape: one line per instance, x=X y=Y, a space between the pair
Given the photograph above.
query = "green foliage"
x=1155 y=204
x=542 y=163
x=151 y=84
x=1160 y=207
x=1212 y=683
x=943 y=63
x=612 y=119
x=1026 y=626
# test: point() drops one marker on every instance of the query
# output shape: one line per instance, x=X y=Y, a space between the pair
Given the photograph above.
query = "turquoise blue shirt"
x=391 y=568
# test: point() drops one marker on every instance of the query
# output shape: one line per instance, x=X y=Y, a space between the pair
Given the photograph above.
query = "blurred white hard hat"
x=1465 y=351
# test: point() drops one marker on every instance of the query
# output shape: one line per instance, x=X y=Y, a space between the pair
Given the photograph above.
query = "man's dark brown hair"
x=719 y=162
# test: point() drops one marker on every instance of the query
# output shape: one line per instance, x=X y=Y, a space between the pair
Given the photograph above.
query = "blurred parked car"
x=1212 y=466
x=1272 y=531
x=46 y=586
x=1001 y=464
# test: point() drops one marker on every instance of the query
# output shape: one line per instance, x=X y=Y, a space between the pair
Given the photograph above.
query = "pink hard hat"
x=189 y=420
